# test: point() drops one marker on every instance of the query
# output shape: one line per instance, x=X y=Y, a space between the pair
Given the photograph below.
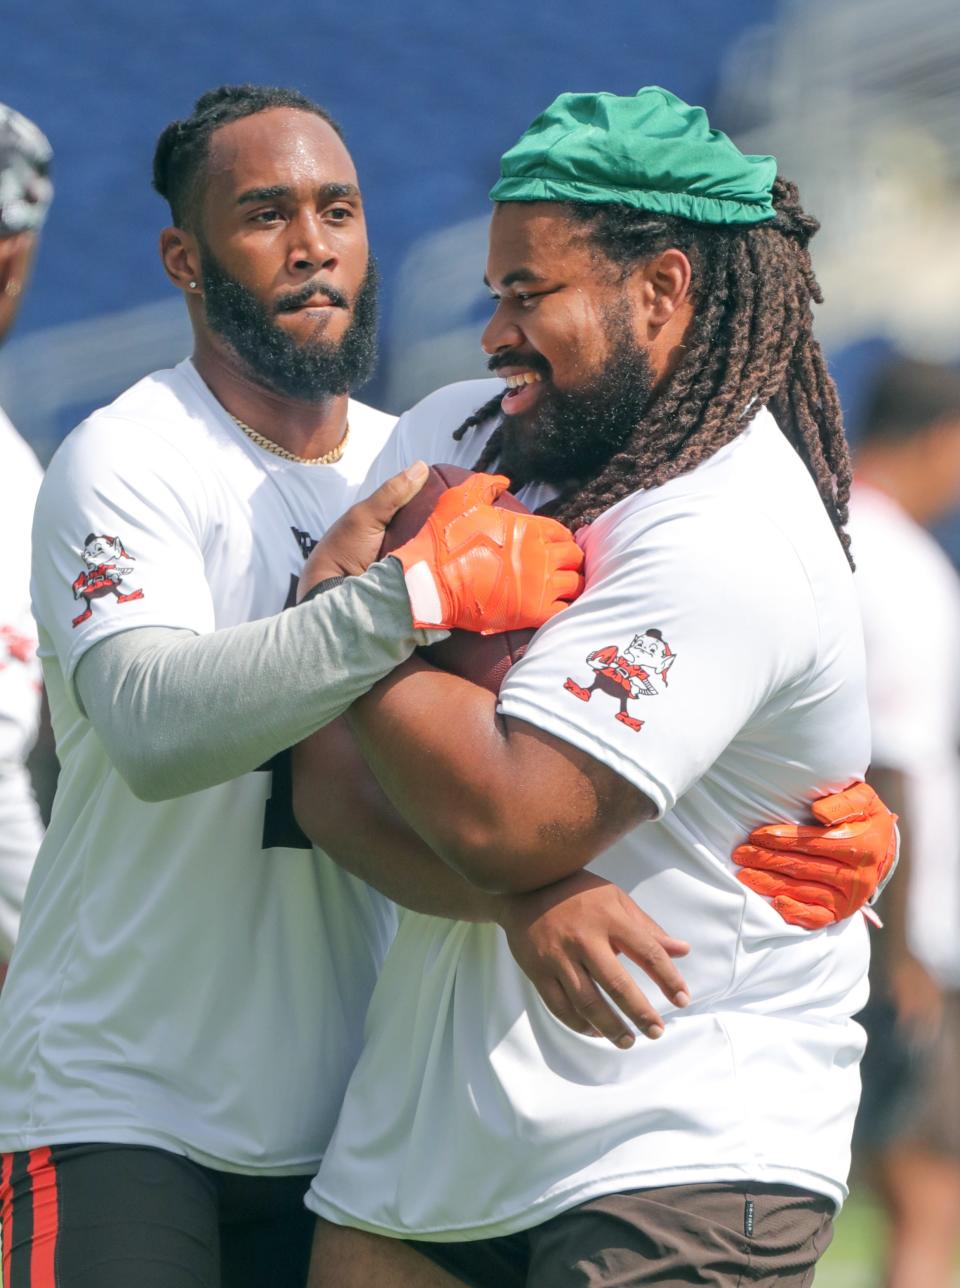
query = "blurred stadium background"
x=858 y=99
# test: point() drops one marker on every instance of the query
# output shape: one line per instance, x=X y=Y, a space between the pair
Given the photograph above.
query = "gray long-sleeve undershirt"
x=178 y=712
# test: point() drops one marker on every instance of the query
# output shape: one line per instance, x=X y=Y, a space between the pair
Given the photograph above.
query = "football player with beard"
x=667 y=399
x=190 y=984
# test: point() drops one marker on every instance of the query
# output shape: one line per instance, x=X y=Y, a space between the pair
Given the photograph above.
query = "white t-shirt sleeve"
x=118 y=539
x=425 y=432
x=690 y=622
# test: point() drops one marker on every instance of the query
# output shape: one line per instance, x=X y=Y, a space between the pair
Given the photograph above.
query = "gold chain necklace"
x=268 y=445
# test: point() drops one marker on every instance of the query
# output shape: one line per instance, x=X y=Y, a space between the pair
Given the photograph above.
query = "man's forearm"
x=406 y=871
x=398 y=864
x=178 y=712
x=342 y=808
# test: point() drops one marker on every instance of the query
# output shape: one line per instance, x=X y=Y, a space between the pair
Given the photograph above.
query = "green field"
x=855 y=1257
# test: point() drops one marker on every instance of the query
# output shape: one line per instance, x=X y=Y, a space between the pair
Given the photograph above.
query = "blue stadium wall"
x=429 y=95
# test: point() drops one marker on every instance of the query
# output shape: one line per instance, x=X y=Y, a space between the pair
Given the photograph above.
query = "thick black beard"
x=309 y=372
x=570 y=436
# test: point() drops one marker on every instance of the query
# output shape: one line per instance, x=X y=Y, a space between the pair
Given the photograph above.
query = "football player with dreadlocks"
x=666 y=398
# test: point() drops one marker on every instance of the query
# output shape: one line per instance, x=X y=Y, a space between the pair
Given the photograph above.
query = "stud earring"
x=193 y=286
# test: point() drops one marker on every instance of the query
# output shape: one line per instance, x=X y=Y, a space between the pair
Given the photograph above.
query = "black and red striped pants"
x=128 y=1216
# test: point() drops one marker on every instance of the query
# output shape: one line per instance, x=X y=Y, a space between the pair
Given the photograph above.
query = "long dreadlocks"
x=750 y=343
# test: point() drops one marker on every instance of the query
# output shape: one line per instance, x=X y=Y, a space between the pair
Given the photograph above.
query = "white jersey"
x=190 y=974
x=719 y=619
x=910 y=600
x=20 y=826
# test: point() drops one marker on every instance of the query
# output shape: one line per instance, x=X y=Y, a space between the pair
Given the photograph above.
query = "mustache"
x=511 y=358
x=297 y=299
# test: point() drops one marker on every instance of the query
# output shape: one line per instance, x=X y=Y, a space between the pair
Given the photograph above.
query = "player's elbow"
x=148 y=791
x=488 y=870
x=154 y=774
x=469 y=841
x=147 y=784
x=508 y=859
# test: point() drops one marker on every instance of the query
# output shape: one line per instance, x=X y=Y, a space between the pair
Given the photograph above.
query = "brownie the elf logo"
x=107 y=565
x=640 y=671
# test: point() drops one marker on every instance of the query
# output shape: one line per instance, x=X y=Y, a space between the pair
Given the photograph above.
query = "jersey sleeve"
x=118 y=539
x=687 y=627
x=425 y=432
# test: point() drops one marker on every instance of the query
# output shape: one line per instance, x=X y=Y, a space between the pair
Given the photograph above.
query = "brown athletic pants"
x=721 y=1236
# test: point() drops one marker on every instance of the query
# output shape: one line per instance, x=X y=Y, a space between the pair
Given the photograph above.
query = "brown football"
x=484 y=659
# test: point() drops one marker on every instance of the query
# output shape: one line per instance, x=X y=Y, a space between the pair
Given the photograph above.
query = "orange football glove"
x=480 y=568
x=815 y=876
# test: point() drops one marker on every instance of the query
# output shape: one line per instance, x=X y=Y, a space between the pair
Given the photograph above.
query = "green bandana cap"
x=651 y=151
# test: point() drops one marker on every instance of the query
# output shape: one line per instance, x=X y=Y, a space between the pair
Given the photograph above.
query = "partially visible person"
x=25 y=192
x=908 y=1131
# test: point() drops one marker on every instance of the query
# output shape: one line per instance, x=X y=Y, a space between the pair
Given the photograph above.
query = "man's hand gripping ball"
x=472 y=565
x=815 y=876
x=481 y=568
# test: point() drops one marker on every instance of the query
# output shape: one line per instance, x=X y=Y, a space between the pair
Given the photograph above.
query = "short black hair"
x=182 y=148
x=908 y=396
